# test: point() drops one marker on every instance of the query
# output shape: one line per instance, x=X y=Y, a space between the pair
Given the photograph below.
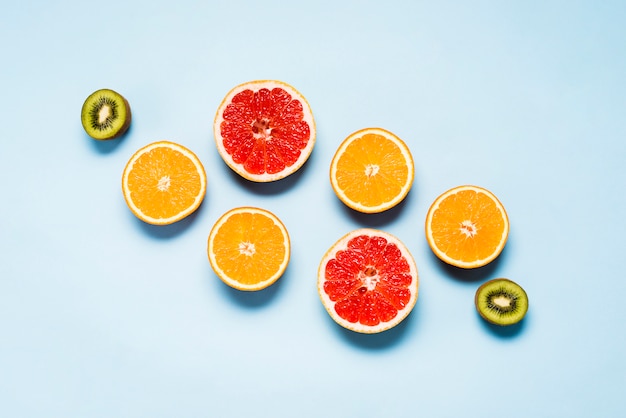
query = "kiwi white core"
x=502 y=301
x=104 y=113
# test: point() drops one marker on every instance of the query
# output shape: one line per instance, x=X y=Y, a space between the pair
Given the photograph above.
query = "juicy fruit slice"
x=501 y=302
x=368 y=281
x=163 y=183
x=264 y=130
x=249 y=248
x=372 y=170
x=105 y=114
x=467 y=227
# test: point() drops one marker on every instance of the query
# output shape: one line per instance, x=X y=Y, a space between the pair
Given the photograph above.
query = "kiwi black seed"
x=105 y=114
x=501 y=302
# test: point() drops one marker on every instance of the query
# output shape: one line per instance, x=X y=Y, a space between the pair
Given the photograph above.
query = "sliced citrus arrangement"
x=372 y=170
x=368 y=281
x=264 y=130
x=467 y=227
x=249 y=248
x=163 y=182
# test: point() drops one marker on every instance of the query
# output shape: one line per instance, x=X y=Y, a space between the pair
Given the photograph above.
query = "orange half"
x=467 y=227
x=372 y=170
x=249 y=248
x=163 y=183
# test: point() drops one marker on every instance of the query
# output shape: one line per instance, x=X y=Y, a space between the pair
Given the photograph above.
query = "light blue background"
x=104 y=316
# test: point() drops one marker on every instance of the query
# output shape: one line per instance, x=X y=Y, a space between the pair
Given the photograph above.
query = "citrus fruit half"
x=368 y=281
x=264 y=130
x=372 y=170
x=467 y=227
x=163 y=183
x=249 y=248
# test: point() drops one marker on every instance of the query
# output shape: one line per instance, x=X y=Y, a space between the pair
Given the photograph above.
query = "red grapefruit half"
x=264 y=130
x=368 y=281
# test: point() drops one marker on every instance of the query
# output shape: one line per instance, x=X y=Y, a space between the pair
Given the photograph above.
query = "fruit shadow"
x=384 y=340
x=504 y=332
x=251 y=299
x=374 y=220
x=470 y=275
x=272 y=187
x=168 y=231
x=107 y=146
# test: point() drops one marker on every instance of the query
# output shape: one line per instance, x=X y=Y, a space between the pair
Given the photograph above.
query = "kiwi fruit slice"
x=501 y=302
x=105 y=114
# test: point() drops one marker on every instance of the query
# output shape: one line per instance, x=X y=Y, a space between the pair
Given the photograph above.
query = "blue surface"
x=103 y=316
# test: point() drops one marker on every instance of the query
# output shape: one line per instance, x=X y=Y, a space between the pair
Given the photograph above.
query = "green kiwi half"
x=501 y=302
x=105 y=114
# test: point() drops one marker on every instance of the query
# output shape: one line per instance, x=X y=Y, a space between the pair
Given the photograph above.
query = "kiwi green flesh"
x=501 y=302
x=105 y=114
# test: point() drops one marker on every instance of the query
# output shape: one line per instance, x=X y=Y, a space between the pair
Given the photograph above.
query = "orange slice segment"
x=264 y=130
x=249 y=248
x=368 y=281
x=163 y=183
x=467 y=227
x=372 y=170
